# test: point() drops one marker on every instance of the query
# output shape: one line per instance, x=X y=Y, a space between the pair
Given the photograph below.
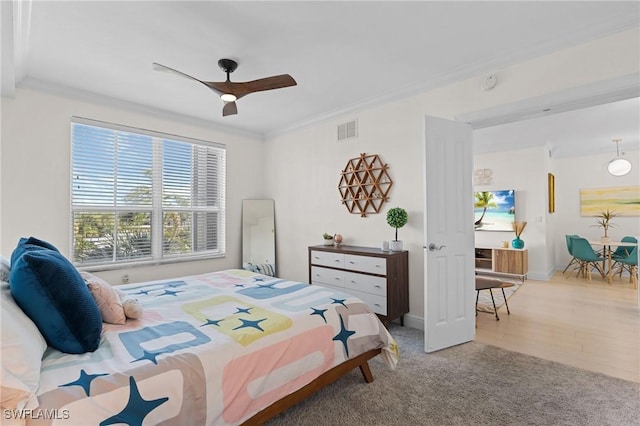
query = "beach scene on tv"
x=494 y=210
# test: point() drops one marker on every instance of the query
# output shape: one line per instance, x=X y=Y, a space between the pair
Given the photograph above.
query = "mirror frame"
x=259 y=236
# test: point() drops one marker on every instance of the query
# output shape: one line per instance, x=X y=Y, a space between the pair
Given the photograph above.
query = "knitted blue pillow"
x=52 y=293
x=31 y=243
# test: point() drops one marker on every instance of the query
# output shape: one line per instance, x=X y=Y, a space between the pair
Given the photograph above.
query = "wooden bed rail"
x=320 y=382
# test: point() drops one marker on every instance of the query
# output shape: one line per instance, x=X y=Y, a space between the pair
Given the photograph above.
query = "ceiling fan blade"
x=164 y=68
x=230 y=108
x=269 y=83
x=229 y=90
x=262 y=84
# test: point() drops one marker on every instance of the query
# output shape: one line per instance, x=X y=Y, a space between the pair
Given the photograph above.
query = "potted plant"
x=328 y=239
x=397 y=217
x=603 y=220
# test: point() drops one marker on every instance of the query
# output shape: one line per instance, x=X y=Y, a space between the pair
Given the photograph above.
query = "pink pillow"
x=106 y=298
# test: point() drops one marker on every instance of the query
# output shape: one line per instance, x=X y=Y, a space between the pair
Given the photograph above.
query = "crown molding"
x=598 y=93
x=91 y=97
x=473 y=70
x=15 y=18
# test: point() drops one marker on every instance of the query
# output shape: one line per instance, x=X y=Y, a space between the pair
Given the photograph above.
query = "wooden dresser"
x=380 y=279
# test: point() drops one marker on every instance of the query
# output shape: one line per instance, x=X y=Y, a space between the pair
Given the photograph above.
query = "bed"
x=223 y=348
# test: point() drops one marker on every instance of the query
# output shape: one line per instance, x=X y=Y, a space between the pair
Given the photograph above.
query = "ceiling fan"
x=231 y=91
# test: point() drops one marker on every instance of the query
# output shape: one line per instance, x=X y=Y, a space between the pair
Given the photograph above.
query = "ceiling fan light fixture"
x=618 y=166
x=228 y=97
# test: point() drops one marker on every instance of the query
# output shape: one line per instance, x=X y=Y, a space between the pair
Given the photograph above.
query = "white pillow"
x=5 y=269
x=21 y=355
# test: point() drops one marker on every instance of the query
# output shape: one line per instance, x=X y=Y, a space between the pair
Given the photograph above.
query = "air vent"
x=348 y=130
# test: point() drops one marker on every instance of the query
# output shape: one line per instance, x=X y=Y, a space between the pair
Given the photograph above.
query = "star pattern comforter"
x=211 y=349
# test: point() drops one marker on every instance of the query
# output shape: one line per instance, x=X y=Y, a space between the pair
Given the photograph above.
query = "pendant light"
x=619 y=166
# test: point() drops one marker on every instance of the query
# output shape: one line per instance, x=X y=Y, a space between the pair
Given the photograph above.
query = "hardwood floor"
x=589 y=325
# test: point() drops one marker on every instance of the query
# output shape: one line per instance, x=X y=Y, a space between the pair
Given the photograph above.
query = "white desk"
x=607 y=251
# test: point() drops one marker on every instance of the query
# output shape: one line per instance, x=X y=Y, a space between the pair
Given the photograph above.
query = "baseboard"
x=540 y=277
x=413 y=321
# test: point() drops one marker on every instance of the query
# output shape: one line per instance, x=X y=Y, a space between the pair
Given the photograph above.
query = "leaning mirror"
x=258 y=236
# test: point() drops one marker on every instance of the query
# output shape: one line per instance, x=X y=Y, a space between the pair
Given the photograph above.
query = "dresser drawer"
x=378 y=304
x=325 y=258
x=373 y=265
x=365 y=283
x=327 y=276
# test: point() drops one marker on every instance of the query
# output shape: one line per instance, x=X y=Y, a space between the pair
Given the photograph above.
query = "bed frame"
x=323 y=380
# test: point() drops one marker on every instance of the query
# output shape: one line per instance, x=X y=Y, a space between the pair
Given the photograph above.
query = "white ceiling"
x=568 y=134
x=344 y=55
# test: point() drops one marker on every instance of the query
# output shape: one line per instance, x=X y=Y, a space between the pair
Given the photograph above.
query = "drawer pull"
x=352 y=262
x=336 y=278
x=336 y=260
x=377 y=286
x=377 y=304
x=377 y=266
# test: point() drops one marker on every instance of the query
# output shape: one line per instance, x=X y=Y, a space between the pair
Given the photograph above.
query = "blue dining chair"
x=573 y=260
x=629 y=263
x=587 y=258
x=622 y=251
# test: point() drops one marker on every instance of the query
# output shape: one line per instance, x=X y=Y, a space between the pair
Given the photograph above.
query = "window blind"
x=144 y=196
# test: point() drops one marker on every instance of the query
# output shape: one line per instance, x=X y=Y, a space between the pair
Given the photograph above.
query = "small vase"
x=328 y=242
x=605 y=240
x=517 y=243
x=395 y=245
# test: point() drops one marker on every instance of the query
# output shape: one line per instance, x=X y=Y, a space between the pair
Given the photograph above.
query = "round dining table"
x=607 y=246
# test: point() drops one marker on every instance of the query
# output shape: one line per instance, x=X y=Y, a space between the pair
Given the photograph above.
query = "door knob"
x=433 y=247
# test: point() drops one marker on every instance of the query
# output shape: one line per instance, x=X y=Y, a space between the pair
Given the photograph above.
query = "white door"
x=449 y=296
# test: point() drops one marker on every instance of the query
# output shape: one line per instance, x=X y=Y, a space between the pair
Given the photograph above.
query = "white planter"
x=605 y=240
x=328 y=242
x=395 y=245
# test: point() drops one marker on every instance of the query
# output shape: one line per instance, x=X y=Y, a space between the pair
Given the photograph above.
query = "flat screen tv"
x=494 y=210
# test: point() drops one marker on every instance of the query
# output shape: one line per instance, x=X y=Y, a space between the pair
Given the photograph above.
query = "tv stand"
x=502 y=261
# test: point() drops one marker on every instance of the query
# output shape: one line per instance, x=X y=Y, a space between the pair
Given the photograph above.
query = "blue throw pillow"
x=28 y=244
x=52 y=293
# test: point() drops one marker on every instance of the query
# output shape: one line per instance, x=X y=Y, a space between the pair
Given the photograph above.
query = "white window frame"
x=157 y=208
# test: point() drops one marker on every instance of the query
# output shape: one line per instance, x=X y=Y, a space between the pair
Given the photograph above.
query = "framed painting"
x=494 y=210
x=551 y=182
x=624 y=200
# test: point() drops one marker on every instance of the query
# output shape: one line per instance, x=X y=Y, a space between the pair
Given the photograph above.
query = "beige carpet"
x=469 y=384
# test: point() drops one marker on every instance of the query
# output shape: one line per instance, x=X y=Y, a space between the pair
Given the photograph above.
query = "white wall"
x=36 y=152
x=582 y=172
x=524 y=171
x=304 y=164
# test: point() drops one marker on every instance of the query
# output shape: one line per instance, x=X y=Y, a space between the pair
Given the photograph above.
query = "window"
x=143 y=196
